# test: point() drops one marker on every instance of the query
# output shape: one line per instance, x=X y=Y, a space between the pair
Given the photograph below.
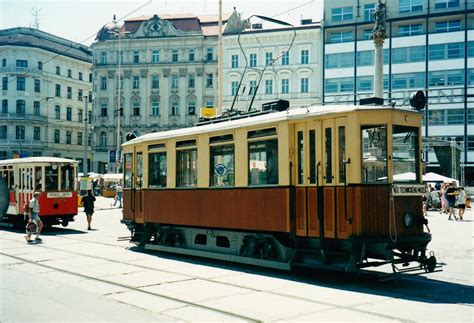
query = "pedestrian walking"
x=89 y=200
x=461 y=200
x=33 y=216
x=444 y=201
x=450 y=194
x=119 y=194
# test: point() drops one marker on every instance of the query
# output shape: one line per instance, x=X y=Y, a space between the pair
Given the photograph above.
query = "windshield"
x=67 y=177
x=405 y=154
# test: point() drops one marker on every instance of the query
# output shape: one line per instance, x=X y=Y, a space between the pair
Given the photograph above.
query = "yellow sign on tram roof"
x=208 y=112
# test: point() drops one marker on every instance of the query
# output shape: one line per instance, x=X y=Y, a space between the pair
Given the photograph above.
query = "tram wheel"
x=65 y=223
x=430 y=264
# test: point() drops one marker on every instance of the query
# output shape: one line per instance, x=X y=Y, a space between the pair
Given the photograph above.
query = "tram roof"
x=252 y=120
x=37 y=160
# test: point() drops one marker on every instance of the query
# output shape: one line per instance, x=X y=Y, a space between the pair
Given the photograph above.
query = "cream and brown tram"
x=302 y=187
x=54 y=178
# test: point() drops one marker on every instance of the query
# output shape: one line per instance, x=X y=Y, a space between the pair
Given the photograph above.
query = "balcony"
x=22 y=117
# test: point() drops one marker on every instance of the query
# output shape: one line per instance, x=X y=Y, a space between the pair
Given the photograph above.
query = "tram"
x=54 y=178
x=302 y=187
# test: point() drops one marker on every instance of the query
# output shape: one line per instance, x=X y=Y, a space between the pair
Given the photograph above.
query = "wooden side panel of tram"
x=313 y=220
x=265 y=209
x=300 y=212
x=127 y=207
x=414 y=205
x=329 y=209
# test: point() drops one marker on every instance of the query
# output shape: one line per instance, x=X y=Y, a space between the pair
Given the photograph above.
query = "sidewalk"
x=103 y=203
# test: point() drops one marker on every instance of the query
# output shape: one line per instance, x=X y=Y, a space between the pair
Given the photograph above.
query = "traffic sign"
x=112 y=156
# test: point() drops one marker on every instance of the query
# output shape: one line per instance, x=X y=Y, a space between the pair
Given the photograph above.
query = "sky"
x=80 y=20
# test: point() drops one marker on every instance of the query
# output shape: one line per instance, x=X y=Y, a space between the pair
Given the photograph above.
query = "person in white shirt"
x=461 y=199
x=34 y=216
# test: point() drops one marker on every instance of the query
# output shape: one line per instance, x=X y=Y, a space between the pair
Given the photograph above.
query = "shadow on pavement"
x=423 y=289
x=47 y=231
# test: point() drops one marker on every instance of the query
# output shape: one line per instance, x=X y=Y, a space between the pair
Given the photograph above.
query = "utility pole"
x=84 y=157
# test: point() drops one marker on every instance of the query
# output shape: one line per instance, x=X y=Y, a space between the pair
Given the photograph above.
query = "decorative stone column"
x=379 y=34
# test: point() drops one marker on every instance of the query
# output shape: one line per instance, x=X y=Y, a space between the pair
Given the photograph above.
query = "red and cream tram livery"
x=311 y=186
x=54 y=178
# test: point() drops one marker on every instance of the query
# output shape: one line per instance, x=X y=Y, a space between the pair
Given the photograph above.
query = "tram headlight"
x=408 y=220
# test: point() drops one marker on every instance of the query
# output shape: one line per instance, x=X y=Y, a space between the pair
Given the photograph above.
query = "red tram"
x=54 y=178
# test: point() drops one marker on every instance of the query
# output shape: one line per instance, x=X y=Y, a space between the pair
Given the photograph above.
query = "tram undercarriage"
x=281 y=251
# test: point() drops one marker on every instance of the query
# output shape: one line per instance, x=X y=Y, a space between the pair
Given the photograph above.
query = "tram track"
x=250 y=289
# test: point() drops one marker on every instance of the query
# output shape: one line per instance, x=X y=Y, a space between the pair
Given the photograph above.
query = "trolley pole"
x=84 y=157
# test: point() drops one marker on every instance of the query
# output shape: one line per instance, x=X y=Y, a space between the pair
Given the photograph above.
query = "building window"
x=21 y=63
x=103 y=83
x=174 y=81
x=57 y=112
x=119 y=57
x=446 y=78
x=79 y=138
x=191 y=108
x=305 y=56
x=367 y=34
x=186 y=167
x=253 y=60
x=455 y=116
x=263 y=162
x=408 y=80
x=3 y=132
x=444 y=4
x=268 y=86
x=4 y=83
x=191 y=81
x=103 y=57
x=136 y=108
x=40 y=66
x=136 y=82
x=234 y=85
x=209 y=103
x=369 y=12
x=268 y=58
x=285 y=86
x=209 y=80
x=69 y=92
x=79 y=95
x=20 y=107
x=103 y=110
x=20 y=132
x=57 y=136
x=175 y=108
x=235 y=61
x=345 y=84
x=103 y=139
x=20 y=83
x=285 y=59
x=36 y=108
x=136 y=57
x=364 y=83
x=410 y=6
x=155 y=82
x=57 y=91
x=4 y=106
x=410 y=30
x=58 y=70
x=341 y=14
x=341 y=37
x=209 y=55
x=155 y=56
x=252 y=87
x=69 y=114
x=192 y=56
x=447 y=26
x=37 y=86
x=155 y=108
x=69 y=73
x=157 y=170
x=408 y=54
x=446 y=51
x=80 y=76
x=364 y=58
x=68 y=137
x=222 y=165
x=79 y=115
x=174 y=56
x=304 y=85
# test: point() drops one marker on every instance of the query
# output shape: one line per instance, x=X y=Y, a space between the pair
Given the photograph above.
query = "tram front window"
x=67 y=177
x=51 y=178
x=405 y=154
x=374 y=154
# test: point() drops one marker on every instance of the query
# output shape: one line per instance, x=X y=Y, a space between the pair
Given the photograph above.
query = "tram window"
x=263 y=162
x=51 y=178
x=38 y=179
x=157 y=170
x=328 y=155
x=262 y=133
x=11 y=179
x=342 y=153
x=67 y=177
x=312 y=157
x=186 y=168
x=300 y=157
x=374 y=154
x=128 y=171
x=222 y=166
x=139 y=170
x=406 y=152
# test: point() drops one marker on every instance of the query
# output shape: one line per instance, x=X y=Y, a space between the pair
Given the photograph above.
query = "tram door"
x=328 y=179
x=24 y=189
x=137 y=184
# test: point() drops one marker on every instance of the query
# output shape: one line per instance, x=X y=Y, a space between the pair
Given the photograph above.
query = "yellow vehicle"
x=301 y=187
x=109 y=181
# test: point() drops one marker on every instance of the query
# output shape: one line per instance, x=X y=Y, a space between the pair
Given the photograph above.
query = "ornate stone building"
x=46 y=84
x=167 y=67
